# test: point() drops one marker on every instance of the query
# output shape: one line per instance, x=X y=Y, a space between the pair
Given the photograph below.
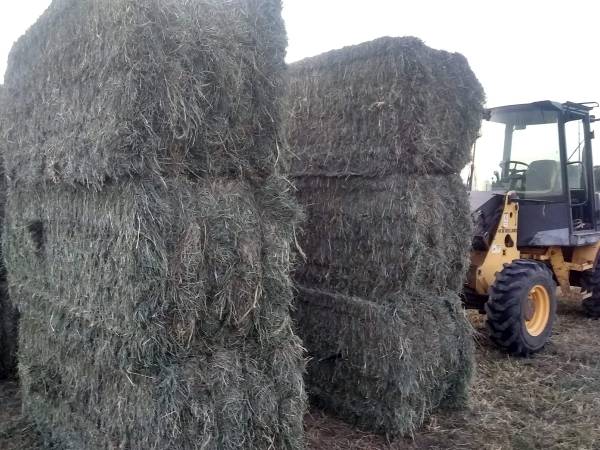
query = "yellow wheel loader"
x=536 y=220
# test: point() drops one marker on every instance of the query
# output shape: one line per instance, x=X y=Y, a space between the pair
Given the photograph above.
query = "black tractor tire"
x=513 y=321
x=590 y=282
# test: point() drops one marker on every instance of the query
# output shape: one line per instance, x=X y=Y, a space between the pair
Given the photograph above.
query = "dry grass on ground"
x=551 y=401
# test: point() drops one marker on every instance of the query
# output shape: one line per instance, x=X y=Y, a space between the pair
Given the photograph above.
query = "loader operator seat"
x=543 y=177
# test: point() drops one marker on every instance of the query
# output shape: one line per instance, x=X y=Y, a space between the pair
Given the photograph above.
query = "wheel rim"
x=537 y=311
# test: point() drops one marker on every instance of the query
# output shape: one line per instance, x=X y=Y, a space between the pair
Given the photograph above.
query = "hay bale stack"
x=148 y=227
x=379 y=132
x=369 y=346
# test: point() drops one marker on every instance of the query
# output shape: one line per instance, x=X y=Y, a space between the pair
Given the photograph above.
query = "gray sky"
x=521 y=50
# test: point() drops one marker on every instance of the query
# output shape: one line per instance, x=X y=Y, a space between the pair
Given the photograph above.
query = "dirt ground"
x=551 y=401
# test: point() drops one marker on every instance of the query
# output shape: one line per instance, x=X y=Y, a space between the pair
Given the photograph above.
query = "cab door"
x=579 y=173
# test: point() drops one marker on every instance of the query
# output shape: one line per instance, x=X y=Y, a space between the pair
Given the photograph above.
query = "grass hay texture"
x=375 y=237
x=378 y=134
x=385 y=366
x=156 y=316
x=387 y=106
x=147 y=227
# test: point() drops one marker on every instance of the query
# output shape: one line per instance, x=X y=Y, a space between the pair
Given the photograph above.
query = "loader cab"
x=542 y=151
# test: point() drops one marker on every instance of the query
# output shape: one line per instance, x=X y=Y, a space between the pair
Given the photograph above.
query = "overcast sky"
x=521 y=50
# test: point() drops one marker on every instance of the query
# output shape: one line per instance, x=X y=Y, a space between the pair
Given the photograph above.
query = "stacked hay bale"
x=380 y=132
x=8 y=313
x=148 y=227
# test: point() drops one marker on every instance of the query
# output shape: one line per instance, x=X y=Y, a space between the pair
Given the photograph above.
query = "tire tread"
x=503 y=308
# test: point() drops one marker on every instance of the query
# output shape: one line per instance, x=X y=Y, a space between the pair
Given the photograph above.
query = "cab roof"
x=541 y=112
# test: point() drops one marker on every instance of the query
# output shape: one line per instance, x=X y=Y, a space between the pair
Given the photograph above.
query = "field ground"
x=551 y=401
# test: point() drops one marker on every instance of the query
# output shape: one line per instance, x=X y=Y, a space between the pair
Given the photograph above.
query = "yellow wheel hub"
x=537 y=310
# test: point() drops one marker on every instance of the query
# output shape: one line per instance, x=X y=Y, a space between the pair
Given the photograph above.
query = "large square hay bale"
x=374 y=237
x=119 y=87
x=387 y=106
x=385 y=366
